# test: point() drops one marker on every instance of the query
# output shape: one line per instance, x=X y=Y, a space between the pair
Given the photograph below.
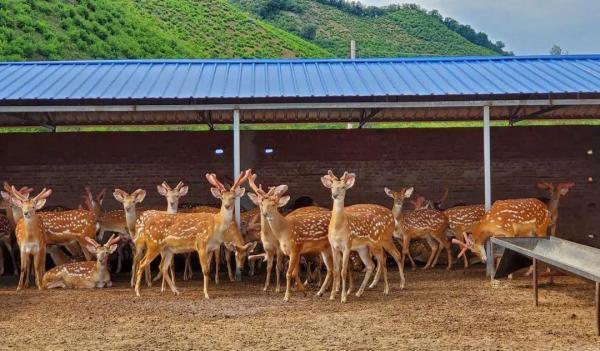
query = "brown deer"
x=426 y=224
x=299 y=234
x=6 y=230
x=187 y=232
x=366 y=228
x=31 y=236
x=556 y=192
x=509 y=218
x=85 y=274
x=461 y=220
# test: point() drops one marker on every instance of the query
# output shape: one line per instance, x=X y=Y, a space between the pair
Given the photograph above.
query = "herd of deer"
x=315 y=234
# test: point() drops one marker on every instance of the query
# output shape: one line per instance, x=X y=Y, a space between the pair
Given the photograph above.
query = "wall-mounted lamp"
x=219 y=151
x=590 y=152
x=268 y=150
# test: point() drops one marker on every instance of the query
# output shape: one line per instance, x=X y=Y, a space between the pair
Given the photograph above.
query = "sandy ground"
x=439 y=310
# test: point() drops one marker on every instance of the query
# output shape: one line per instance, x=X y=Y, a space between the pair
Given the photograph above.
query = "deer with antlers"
x=462 y=220
x=85 y=274
x=424 y=223
x=365 y=228
x=509 y=218
x=187 y=232
x=298 y=234
x=556 y=192
x=31 y=236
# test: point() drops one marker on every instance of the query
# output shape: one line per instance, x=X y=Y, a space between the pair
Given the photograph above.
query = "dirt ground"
x=439 y=310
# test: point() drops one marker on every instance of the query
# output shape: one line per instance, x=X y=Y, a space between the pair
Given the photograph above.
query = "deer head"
x=226 y=196
x=337 y=185
x=7 y=194
x=94 y=204
x=399 y=197
x=268 y=202
x=172 y=195
x=556 y=191
x=129 y=201
x=29 y=206
x=241 y=252
x=102 y=252
x=420 y=203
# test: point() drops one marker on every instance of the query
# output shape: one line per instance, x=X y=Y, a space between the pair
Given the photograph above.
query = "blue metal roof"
x=294 y=78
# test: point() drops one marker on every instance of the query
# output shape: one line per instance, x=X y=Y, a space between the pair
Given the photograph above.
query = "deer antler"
x=92 y=242
x=546 y=185
x=166 y=186
x=112 y=240
x=241 y=179
x=257 y=189
x=212 y=179
x=43 y=194
x=330 y=173
x=565 y=185
x=179 y=185
x=18 y=194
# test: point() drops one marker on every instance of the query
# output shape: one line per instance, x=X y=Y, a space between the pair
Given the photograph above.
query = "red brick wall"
x=429 y=159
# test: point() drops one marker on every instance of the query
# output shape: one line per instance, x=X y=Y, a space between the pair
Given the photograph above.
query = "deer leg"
x=438 y=252
x=269 y=255
x=296 y=273
x=149 y=256
x=386 y=285
x=406 y=251
x=188 y=267
x=319 y=270
x=24 y=270
x=120 y=248
x=39 y=263
x=344 y=273
x=365 y=257
x=228 y=262
x=168 y=262
x=351 y=280
x=217 y=254
x=434 y=248
x=307 y=278
x=328 y=260
x=446 y=244
x=379 y=269
x=337 y=262
x=278 y=266
x=392 y=250
x=203 y=258
x=294 y=262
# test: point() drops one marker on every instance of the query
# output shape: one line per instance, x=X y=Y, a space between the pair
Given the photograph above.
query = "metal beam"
x=236 y=159
x=300 y=106
x=364 y=117
x=487 y=162
x=513 y=119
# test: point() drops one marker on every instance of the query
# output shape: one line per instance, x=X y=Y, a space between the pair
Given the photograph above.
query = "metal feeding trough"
x=565 y=255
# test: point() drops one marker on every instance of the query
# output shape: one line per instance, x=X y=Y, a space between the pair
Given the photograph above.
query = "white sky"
x=525 y=26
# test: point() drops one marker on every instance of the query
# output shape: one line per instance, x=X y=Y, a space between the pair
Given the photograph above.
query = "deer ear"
x=544 y=185
x=389 y=192
x=327 y=182
x=408 y=192
x=91 y=249
x=564 y=190
x=118 y=194
x=5 y=195
x=40 y=203
x=100 y=197
x=283 y=201
x=239 y=192
x=184 y=190
x=350 y=179
x=216 y=193
x=254 y=198
x=161 y=190
x=139 y=195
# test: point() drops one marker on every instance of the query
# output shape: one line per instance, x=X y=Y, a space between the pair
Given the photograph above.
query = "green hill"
x=59 y=29
x=405 y=30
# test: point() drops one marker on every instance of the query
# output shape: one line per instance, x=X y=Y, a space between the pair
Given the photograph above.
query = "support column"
x=236 y=159
x=487 y=162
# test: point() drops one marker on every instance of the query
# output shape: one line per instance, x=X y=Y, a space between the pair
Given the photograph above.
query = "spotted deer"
x=297 y=235
x=462 y=220
x=187 y=232
x=85 y=274
x=425 y=223
x=31 y=236
x=509 y=218
x=556 y=192
x=6 y=230
x=364 y=228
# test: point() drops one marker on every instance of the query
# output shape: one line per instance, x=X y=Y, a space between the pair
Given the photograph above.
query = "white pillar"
x=352 y=49
x=236 y=158
x=487 y=162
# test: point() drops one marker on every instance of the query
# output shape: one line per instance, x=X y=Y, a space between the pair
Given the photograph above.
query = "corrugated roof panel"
x=231 y=79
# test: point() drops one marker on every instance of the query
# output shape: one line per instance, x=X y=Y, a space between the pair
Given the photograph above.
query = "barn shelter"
x=562 y=91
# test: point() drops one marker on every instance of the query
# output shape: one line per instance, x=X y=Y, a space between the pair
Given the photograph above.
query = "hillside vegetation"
x=405 y=30
x=58 y=29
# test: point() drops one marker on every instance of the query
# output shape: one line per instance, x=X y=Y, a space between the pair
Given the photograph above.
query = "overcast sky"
x=525 y=26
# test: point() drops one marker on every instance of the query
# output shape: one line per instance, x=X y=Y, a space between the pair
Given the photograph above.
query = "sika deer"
x=367 y=229
x=31 y=237
x=556 y=192
x=510 y=218
x=428 y=224
x=187 y=232
x=462 y=220
x=86 y=274
x=6 y=230
x=298 y=234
